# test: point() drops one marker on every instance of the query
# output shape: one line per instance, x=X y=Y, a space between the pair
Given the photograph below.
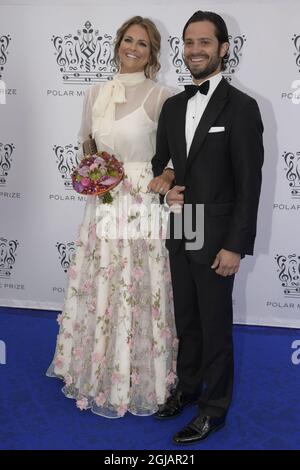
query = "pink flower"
x=85 y=182
x=87 y=286
x=83 y=171
x=122 y=409
x=109 y=311
x=151 y=397
x=131 y=289
x=165 y=333
x=78 y=353
x=155 y=313
x=155 y=353
x=78 y=187
x=135 y=378
x=126 y=187
x=120 y=243
x=92 y=233
x=59 y=362
x=59 y=318
x=115 y=378
x=136 y=312
x=138 y=199
x=93 y=166
x=171 y=378
x=68 y=379
x=82 y=404
x=122 y=263
x=99 y=160
x=100 y=399
x=109 y=271
x=97 y=357
x=138 y=273
x=92 y=306
x=72 y=273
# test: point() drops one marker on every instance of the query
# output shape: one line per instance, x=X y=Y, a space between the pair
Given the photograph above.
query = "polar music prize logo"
x=288 y=269
x=294 y=93
x=65 y=254
x=4 y=43
x=84 y=57
x=6 y=151
x=66 y=159
x=8 y=249
x=291 y=169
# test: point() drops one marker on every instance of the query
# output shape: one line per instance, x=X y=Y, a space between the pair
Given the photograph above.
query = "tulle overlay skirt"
x=116 y=348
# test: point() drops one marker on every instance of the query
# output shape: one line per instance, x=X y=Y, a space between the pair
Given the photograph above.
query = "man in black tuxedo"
x=212 y=132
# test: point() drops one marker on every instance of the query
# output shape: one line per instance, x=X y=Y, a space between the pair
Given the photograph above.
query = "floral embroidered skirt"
x=116 y=348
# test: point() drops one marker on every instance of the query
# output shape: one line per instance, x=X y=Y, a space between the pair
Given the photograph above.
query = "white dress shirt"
x=194 y=111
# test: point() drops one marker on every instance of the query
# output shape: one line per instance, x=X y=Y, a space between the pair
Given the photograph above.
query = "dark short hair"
x=220 y=27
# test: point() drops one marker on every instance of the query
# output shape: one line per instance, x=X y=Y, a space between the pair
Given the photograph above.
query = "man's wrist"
x=169 y=173
x=165 y=199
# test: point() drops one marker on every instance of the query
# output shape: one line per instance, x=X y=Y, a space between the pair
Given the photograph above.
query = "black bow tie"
x=191 y=90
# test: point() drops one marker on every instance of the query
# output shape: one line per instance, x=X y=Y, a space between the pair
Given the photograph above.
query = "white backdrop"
x=47 y=61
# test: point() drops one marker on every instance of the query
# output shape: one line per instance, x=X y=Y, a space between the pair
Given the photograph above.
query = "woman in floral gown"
x=116 y=347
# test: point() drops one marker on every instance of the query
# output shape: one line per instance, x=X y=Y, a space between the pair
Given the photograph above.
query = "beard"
x=210 y=69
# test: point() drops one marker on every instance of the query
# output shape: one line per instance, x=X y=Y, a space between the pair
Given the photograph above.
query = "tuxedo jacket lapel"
x=212 y=110
x=179 y=134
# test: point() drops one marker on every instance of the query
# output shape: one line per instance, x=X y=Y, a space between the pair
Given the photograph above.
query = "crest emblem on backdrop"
x=84 y=57
x=67 y=159
x=288 y=268
x=6 y=151
x=183 y=74
x=8 y=250
x=296 y=41
x=65 y=253
x=292 y=169
x=4 y=43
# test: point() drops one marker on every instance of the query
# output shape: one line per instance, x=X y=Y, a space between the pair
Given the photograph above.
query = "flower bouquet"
x=98 y=174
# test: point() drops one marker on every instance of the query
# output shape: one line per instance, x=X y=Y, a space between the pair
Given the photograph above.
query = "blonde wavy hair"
x=153 y=65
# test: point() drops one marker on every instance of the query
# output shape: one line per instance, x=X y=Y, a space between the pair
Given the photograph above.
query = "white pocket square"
x=217 y=129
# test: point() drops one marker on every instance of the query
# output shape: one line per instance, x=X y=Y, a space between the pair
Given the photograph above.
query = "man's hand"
x=226 y=263
x=175 y=198
x=162 y=183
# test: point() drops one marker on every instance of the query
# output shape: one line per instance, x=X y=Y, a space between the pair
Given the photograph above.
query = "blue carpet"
x=34 y=414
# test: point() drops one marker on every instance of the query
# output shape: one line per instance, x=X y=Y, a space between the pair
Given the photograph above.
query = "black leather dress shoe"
x=173 y=406
x=198 y=429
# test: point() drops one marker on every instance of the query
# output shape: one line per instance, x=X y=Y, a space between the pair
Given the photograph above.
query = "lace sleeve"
x=163 y=95
x=86 y=122
x=86 y=118
x=156 y=100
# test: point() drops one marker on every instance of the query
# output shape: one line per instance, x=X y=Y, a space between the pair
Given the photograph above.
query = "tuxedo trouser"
x=203 y=316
